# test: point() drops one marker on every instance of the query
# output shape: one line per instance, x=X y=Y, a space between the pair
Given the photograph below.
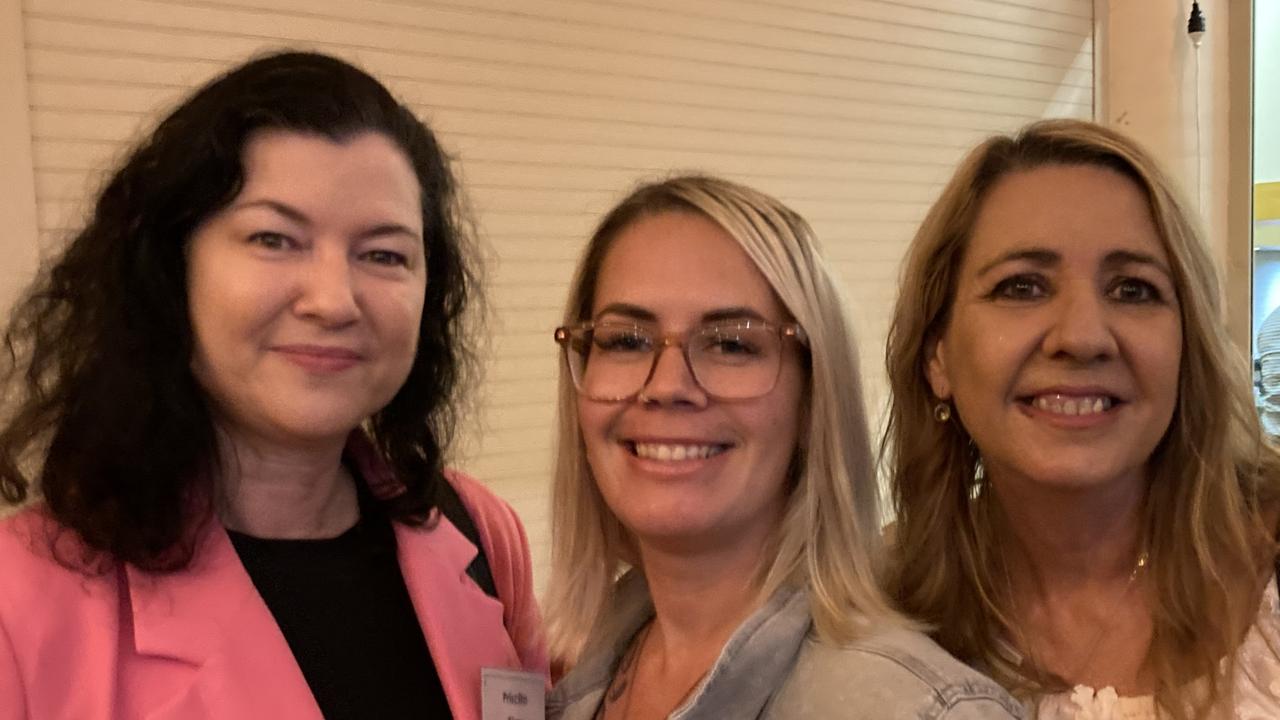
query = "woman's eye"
x=386 y=257
x=271 y=240
x=731 y=345
x=622 y=342
x=1020 y=287
x=734 y=346
x=1134 y=290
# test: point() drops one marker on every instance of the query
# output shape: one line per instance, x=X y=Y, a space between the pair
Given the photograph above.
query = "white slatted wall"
x=853 y=111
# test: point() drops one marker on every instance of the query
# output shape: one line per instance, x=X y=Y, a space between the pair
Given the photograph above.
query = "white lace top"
x=1257 y=684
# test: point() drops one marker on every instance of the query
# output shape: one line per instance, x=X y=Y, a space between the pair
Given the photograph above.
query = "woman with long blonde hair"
x=715 y=510
x=1086 y=508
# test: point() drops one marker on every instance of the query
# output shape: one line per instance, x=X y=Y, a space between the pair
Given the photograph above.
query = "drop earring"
x=942 y=412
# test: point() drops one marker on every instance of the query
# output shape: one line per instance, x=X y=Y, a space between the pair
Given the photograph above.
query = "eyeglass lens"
x=613 y=361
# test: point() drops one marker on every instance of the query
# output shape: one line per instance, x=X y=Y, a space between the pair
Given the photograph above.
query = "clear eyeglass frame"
x=572 y=339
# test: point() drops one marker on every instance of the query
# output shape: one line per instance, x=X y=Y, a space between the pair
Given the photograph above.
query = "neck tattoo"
x=617 y=698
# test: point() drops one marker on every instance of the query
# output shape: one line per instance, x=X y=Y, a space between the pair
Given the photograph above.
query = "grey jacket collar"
x=753 y=664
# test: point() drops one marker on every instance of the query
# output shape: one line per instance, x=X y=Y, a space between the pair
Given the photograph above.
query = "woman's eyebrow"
x=636 y=312
x=627 y=310
x=1039 y=256
x=390 y=228
x=1120 y=258
x=288 y=211
x=296 y=215
x=740 y=312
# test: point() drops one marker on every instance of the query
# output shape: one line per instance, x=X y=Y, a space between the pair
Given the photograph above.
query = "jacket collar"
x=751 y=666
x=209 y=615
x=463 y=625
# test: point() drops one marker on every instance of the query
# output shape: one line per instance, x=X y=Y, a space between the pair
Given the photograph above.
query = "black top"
x=342 y=605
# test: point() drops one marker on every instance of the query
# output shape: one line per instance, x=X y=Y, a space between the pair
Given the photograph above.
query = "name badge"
x=512 y=695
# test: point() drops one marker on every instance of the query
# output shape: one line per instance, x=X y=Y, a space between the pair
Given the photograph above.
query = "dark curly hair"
x=105 y=417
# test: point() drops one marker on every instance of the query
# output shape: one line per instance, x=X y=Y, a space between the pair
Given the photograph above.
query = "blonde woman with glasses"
x=716 y=516
x=1086 y=507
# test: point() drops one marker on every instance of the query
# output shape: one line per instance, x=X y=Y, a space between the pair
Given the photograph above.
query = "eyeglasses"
x=735 y=360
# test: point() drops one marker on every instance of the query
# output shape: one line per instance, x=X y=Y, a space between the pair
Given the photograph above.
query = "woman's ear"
x=936 y=370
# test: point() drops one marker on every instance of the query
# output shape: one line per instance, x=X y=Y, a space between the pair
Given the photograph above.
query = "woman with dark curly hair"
x=229 y=399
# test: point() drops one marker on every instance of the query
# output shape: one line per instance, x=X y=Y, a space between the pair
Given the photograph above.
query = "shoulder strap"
x=451 y=507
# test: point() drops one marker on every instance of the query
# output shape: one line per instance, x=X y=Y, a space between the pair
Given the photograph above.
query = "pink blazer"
x=201 y=643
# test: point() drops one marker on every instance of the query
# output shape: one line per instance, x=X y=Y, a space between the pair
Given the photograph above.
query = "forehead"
x=366 y=165
x=1082 y=211
x=680 y=265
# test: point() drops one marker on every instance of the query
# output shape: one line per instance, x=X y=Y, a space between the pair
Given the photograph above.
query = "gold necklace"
x=1040 y=669
x=623 y=685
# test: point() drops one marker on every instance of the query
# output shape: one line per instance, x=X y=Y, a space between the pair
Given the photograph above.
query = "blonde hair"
x=828 y=540
x=1212 y=477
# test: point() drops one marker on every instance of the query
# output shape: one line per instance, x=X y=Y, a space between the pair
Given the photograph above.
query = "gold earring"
x=942 y=412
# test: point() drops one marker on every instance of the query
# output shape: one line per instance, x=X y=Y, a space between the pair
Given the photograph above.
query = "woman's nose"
x=671 y=382
x=1080 y=326
x=327 y=292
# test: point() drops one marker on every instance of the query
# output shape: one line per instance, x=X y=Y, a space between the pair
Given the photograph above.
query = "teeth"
x=1063 y=405
x=675 y=453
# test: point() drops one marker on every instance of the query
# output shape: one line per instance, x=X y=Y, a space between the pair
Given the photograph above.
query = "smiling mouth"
x=674 y=452
x=1072 y=405
x=320 y=351
x=320 y=359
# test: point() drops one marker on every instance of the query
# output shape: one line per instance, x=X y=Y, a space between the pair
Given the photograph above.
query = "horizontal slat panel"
x=1075 y=16
x=727 y=20
x=832 y=37
x=406 y=29
x=439 y=86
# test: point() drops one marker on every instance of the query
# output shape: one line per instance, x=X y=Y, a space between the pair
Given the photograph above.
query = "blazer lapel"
x=463 y=626
x=211 y=617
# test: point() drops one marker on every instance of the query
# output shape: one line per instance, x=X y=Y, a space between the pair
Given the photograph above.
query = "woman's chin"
x=302 y=427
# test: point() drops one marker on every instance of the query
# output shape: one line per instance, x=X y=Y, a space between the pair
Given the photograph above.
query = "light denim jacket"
x=772 y=668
